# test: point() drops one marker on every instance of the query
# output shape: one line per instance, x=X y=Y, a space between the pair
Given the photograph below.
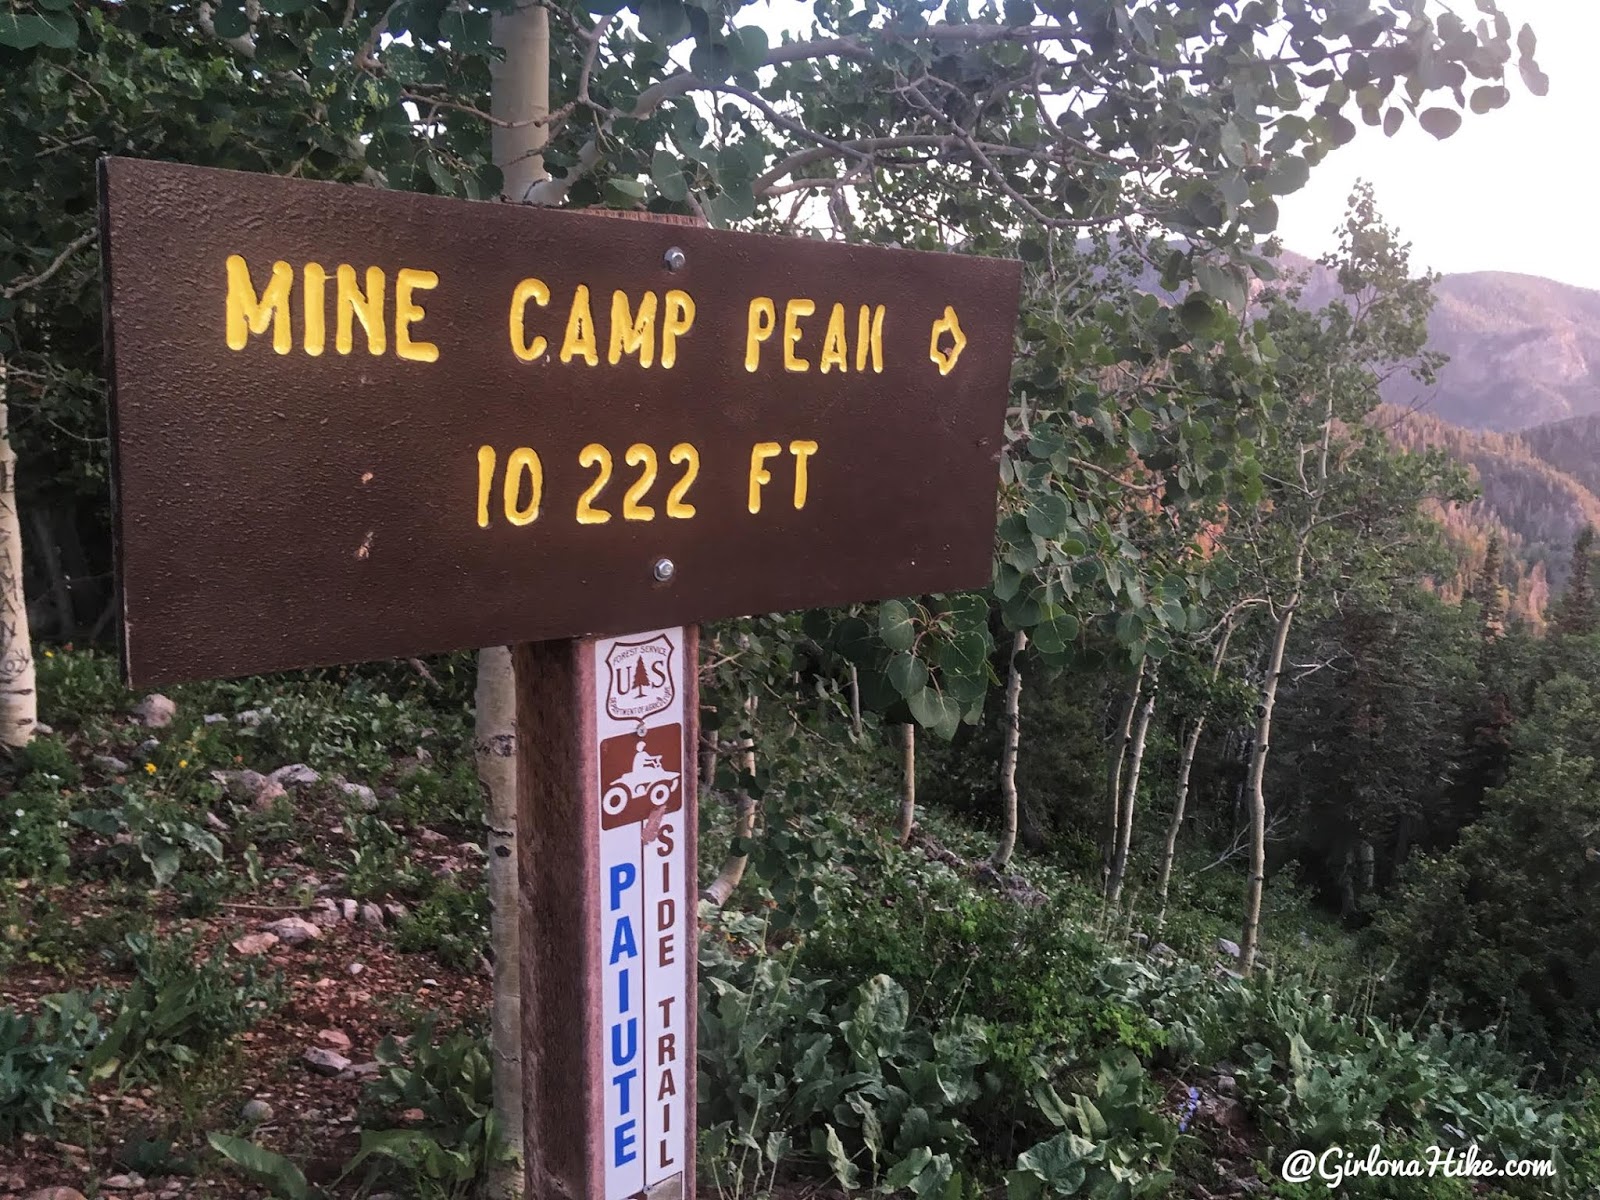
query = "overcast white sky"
x=1512 y=190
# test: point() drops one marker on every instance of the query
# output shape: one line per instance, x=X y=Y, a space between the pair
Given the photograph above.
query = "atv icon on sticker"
x=640 y=679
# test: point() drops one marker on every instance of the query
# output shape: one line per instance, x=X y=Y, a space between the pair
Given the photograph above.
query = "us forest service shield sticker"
x=639 y=681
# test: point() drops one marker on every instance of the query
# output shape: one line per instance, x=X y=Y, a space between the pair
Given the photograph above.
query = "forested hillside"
x=1572 y=446
x=1533 y=508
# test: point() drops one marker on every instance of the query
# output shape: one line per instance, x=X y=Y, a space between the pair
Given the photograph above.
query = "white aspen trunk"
x=1118 y=755
x=1119 y=863
x=1169 y=848
x=19 y=697
x=496 y=738
x=520 y=93
x=855 y=703
x=1008 y=758
x=1251 y=939
x=908 y=787
x=720 y=888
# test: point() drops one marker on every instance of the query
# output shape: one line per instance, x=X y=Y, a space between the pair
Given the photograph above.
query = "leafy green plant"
x=159 y=834
x=47 y=758
x=448 y=1078
x=1114 y=1143
x=790 y=1062
x=381 y=864
x=453 y=923
x=41 y=1057
x=33 y=831
x=39 y=927
x=179 y=1009
x=260 y=1165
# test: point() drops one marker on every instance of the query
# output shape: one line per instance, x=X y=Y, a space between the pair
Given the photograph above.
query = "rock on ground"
x=294 y=930
x=337 y=1038
x=1224 y=946
x=366 y=799
x=255 y=943
x=255 y=1112
x=294 y=775
x=155 y=711
x=56 y=1193
x=325 y=1062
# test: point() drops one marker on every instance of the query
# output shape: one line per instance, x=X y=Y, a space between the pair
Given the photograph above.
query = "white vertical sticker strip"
x=640 y=730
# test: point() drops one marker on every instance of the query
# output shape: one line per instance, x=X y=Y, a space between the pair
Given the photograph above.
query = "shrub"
x=40 y=1059
x=33 y=832
x=453 y=923
x=179 y=1010
x=449 y=1079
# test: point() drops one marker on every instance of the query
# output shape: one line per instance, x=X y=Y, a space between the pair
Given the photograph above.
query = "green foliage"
x=453 y=923
x=46 y=930
x=263 y=1166
x=40 y=1059
x=1498 y=929
x=1111 y=1144
x=786 y=1068
x=381 y=864
x=448 y=1078
x=1051 y=992
x=150 y=834
x=179 y=1010
x=33 y=831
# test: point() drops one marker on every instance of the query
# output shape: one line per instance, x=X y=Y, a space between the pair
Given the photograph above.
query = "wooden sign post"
x=352 y=424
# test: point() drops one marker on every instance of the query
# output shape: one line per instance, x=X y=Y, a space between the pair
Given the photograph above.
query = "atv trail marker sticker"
x=646 y=905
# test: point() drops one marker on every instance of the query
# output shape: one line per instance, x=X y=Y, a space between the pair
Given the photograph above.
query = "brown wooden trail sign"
x=352 y=424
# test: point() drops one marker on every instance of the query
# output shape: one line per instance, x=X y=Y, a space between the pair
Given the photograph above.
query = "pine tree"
x=1575 y=614
x=1489 y=593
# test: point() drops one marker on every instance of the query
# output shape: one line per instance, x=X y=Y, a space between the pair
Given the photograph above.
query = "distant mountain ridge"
x=1524 y=351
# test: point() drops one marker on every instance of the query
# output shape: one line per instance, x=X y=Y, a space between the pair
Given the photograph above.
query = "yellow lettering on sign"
x=594 y=455
x=833 y=343
x=639 y=455
x=632 y=333
x=683 y=452
x=579 y=341
x=249 y=313
x=677 y=321
x=869 y=338
x=528 y=289
x=351 y=303
x=760 y=323
x=523 y=461
x=485 y=480
x=407 y=312
x=802 y=449
x=313 y=307
x=792 y=312
x=759 y=475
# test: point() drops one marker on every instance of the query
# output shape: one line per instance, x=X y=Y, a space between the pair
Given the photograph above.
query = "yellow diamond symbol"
x=951 y=324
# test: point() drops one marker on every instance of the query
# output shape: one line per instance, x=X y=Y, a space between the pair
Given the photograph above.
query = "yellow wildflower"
x=183 y=762
x=149 y=768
